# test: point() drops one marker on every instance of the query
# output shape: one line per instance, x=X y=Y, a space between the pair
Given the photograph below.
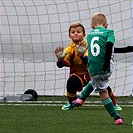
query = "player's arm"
x=84 y=59
x=60 y=64
x=123 y=49
x=108 y=53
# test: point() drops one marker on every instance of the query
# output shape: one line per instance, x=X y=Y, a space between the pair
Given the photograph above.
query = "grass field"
x=51 y=119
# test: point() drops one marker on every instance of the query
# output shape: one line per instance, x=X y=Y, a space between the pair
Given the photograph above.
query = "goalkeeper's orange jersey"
x=74 y=61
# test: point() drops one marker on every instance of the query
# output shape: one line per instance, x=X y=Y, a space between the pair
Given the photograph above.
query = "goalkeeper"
x=100 y=65
x=75 y=56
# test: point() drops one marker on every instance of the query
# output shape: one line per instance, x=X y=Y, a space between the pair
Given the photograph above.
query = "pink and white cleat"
x=78 y=102
x=118 y=121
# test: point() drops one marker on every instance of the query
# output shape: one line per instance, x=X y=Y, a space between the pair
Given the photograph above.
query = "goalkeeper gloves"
x=59 y=53
x=81 y=48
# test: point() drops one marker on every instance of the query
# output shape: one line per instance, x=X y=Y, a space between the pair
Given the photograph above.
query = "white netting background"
x=32 y=29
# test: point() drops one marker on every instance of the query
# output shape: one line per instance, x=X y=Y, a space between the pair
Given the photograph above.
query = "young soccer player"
x=75 y=56
x=100 y=65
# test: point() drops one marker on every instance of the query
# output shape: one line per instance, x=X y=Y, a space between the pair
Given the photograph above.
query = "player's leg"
x=111 y=95
x=100 y=83
x=108 y=104
x=73 y=85
x=84 y=94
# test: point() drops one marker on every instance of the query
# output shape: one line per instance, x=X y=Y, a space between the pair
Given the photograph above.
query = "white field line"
x=51 y=104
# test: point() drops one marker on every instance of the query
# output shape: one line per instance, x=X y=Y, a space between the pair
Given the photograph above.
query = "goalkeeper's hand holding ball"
x=59 y=52
x=81 y=48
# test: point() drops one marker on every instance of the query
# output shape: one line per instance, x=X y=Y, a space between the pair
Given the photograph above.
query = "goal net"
x=32 y=29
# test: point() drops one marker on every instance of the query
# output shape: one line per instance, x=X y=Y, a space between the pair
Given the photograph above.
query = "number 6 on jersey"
x=95 y=49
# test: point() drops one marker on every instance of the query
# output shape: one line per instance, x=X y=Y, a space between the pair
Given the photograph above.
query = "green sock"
x=110 y=108
x=86 y=92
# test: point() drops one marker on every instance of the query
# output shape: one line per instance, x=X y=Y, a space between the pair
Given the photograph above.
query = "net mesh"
x=32 y=29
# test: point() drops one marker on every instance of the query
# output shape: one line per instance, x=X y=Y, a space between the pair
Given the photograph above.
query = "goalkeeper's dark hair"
x=75 y=25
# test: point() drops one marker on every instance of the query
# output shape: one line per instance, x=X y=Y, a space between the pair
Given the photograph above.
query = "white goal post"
x=32 y=29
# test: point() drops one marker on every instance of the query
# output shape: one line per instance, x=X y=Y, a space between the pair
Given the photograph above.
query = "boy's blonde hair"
x=75 y=25
x=99 y=18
